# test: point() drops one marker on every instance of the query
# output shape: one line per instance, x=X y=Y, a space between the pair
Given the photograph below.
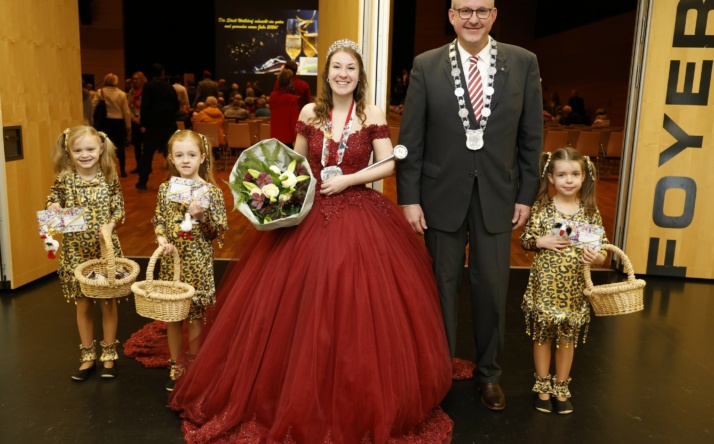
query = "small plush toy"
x=186 y=227
x=563 y=230
x=51 y=245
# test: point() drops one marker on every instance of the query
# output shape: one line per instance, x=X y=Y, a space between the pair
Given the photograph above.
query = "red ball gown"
x=327 y=332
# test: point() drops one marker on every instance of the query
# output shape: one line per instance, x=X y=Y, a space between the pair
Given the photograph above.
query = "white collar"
x=483 y=55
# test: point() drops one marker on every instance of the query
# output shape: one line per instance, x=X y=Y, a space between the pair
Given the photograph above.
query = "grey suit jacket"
x=439 y=171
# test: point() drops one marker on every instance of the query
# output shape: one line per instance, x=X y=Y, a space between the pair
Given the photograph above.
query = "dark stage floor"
x=644 y=377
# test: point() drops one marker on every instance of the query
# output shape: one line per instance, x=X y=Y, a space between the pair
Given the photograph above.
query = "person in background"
x=249 y=91
x=472 y=171
x=237 y=110
x=206 y=87
x=601 y=119
x=118 y=122
x=556 y=313
x=577 y=104
x=284 y=109
x=262 y=109
x=301 y=87
x=159 y=105
x=181 y=91
x=191 y=90
x=571 y=117
x=233 y=91
x=134 y=97
x=87 y=105
x=211 y=114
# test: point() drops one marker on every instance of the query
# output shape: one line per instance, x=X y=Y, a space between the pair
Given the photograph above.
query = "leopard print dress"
x=196 y=253
x=104 y=203
x=554 y=304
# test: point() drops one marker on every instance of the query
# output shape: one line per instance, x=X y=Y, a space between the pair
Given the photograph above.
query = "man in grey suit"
x=472 y=178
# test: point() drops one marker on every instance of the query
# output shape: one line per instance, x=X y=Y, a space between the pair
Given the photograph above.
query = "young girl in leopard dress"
x=83 y=161
x=554 y=304
x=189 y=157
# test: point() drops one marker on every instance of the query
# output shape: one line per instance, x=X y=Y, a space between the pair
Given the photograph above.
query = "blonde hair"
x=587 y=191
x=205 y=169
x=111 y=79
x=61 y=159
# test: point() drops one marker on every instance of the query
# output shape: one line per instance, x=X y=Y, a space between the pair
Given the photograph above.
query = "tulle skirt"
x=330 y=331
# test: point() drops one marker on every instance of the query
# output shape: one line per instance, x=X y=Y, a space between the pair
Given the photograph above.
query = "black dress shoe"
x=492 y=396
x=543 y=405
x=109 y=373
x=140 y=186
x=170 y=385
x=81 y=375
x=562 y=407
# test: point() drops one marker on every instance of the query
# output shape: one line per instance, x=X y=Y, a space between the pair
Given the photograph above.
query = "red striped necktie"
x=475 y=87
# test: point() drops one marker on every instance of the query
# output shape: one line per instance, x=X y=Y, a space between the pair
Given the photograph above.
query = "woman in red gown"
x=330 y=331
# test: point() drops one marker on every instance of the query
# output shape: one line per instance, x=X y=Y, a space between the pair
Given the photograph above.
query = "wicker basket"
x=619 y=297
x=168 y=301
x=110 y=287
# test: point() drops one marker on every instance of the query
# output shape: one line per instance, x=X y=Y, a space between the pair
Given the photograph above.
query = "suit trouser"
x=489 y=268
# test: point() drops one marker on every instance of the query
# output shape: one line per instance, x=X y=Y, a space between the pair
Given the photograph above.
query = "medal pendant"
x=474 y=139
x=330 y=172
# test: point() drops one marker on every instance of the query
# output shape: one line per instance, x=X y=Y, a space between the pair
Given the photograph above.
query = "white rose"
x=275 y=169
x=288 y=180
x=285 y=197
x=271 y=191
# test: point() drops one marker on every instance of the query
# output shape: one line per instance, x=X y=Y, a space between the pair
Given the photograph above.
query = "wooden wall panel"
x=338 y=20
x=103 y=41
x=40 y=90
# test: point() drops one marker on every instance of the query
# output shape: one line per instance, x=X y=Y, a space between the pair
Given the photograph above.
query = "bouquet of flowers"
x=272 y=185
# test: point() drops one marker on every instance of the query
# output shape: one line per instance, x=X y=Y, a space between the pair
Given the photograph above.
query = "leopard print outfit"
x=104 y=203
x=554 y=304
x=196 y=253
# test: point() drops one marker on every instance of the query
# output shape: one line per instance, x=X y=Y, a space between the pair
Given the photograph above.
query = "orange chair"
x=264 y=131
x=613 y=149
x=237 y=138
x=589 y=145
x=555 y=140
x=210 y=130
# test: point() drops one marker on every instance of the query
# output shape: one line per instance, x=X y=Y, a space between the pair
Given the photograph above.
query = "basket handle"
x=152 y=264
x=625 y=260
x=107 y=247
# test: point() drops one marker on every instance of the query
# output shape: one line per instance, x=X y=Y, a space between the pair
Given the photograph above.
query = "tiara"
x=344 y=43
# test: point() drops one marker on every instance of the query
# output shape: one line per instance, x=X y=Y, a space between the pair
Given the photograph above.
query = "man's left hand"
x=520 y=216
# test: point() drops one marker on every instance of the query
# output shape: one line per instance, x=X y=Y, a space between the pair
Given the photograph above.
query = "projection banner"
x=670 y=229
x=260 y=41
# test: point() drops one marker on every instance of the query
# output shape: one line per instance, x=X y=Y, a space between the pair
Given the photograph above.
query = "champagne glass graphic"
x=293 y=42
x=309 y=45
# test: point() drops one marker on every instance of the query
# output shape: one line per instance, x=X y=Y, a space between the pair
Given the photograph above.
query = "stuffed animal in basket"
x=51 y=245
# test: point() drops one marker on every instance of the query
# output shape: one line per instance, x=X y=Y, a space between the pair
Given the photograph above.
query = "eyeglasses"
x=482 y=13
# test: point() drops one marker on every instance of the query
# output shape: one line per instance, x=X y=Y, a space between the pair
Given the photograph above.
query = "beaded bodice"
x=356 y=157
